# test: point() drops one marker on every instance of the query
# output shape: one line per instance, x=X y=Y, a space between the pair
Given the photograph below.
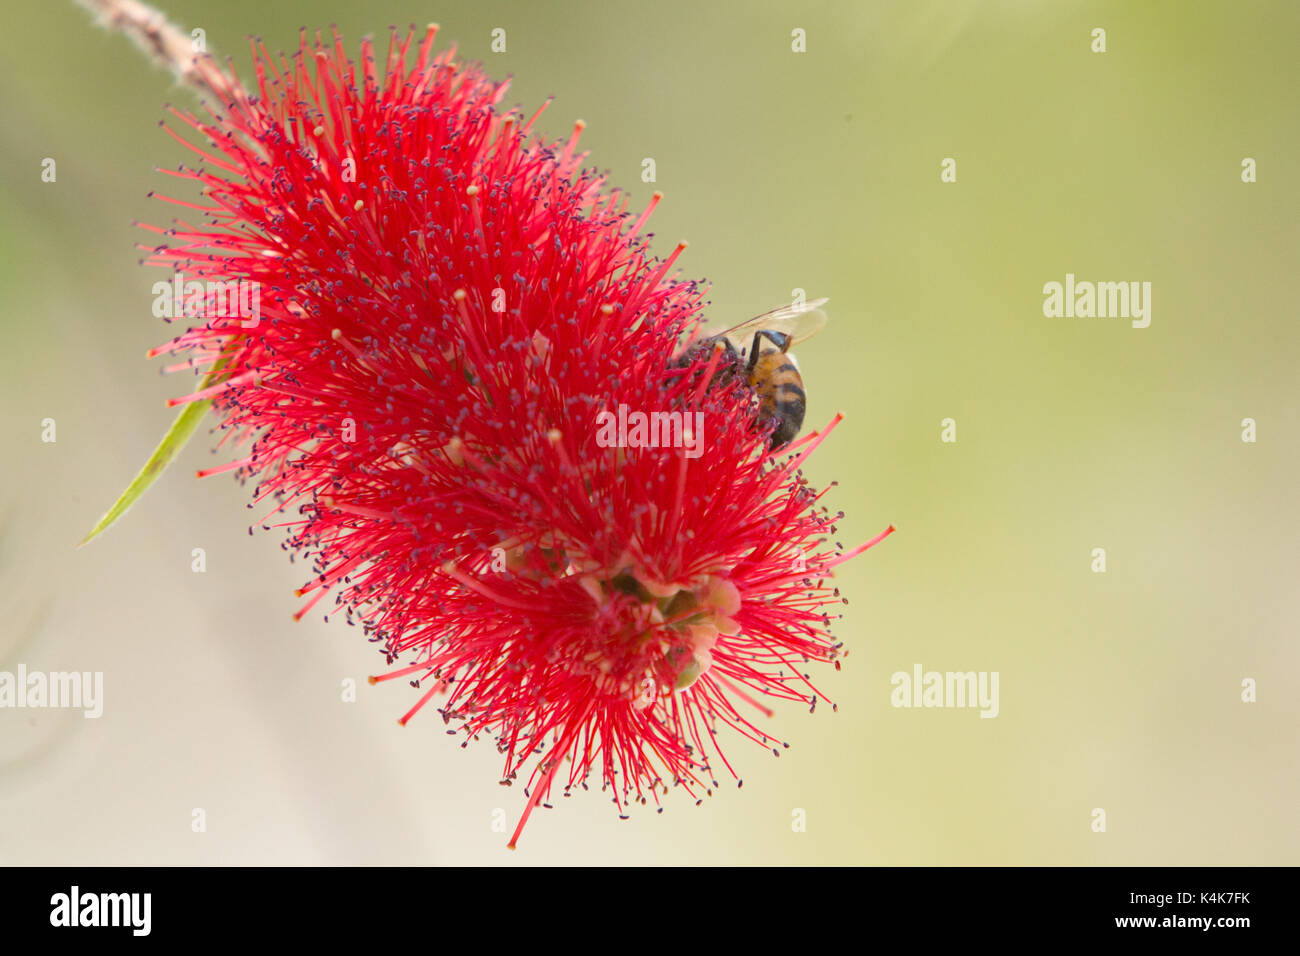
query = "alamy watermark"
x=1086 y=300
x=636 y=429
x=75 y=908
x=192 y=298
x=73 y=690
x=946 y=689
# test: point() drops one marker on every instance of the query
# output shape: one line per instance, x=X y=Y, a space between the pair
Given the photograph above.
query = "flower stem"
x=165 y=43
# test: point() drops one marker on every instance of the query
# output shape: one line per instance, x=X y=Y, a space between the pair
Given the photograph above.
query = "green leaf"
x=182 y=430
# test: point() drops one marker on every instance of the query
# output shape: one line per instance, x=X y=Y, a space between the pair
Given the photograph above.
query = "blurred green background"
x=819 y=171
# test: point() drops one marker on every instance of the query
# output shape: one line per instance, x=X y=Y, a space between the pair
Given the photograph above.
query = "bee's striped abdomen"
x=781 y=395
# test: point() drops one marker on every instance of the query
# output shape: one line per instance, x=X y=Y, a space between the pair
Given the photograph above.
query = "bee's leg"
x=780 y=339
x=753 y=352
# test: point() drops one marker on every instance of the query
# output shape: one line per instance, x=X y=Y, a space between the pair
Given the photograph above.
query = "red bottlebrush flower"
x=451 y=314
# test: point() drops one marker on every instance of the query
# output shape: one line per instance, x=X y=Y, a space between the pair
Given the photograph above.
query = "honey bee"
x=765 y=361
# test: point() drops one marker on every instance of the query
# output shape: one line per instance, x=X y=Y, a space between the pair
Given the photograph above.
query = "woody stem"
x=165 y=43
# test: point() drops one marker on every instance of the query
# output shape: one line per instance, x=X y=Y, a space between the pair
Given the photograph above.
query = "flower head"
x=453 y=315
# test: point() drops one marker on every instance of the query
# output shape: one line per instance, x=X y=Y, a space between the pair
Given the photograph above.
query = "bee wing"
x=800 y=322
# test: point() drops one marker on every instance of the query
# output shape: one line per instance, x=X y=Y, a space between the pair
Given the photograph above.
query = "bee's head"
x=729 y=355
